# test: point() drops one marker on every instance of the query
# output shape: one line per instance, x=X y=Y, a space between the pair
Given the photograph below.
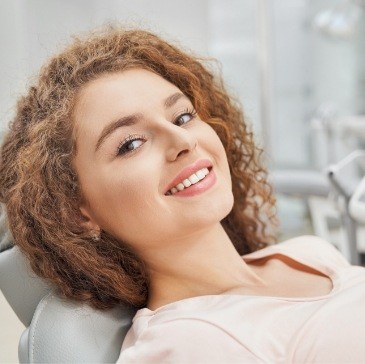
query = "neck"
x=200 y=265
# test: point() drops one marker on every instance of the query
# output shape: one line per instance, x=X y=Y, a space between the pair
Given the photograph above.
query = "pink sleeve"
x=186 y=341
x=327 y=252
x=321 y=250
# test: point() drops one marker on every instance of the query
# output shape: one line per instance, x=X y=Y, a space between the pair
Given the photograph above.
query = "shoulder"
x=314 y=247
x=182 y=341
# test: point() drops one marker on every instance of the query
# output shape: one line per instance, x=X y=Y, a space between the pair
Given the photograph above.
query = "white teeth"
x=194 y=178
x=200 y=174
x=186 y=183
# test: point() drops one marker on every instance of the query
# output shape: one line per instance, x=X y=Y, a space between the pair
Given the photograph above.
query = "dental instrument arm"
x=357 y=203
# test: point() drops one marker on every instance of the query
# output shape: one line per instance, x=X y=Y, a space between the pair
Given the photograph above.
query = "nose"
x=179 y=142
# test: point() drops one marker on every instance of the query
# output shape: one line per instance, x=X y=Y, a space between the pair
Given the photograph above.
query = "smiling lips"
x=191 y=180
x=190 y=175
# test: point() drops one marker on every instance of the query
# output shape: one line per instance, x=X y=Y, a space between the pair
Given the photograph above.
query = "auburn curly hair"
x=40 y=188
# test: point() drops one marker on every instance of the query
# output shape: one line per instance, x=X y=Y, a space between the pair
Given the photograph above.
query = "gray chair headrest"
x=59 y=330
x=20 y=286
x=63 y=331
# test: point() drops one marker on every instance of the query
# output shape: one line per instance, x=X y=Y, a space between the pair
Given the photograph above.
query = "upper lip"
x=188 y=171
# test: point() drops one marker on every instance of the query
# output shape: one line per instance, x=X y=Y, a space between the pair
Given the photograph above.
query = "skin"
x=181 y=239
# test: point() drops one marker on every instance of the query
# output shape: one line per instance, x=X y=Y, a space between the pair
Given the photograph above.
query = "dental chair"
x=58 y=330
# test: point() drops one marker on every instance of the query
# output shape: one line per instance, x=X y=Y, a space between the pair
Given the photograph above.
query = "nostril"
x=183 y=152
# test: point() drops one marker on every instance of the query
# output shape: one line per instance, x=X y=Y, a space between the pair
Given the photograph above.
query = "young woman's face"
x=135 y=132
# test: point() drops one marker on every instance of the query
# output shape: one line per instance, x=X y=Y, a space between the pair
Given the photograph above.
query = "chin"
x=218 y=208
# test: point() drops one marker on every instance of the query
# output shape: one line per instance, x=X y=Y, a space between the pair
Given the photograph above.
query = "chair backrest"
x=59 y=330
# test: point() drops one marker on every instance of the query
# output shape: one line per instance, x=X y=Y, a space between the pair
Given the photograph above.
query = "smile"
x=197 y=183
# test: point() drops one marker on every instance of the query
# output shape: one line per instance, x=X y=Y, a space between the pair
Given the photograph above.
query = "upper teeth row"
x=191 y=180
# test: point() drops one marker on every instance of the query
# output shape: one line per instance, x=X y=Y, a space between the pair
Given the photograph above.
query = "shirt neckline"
x=268 y=251
x=307 y=261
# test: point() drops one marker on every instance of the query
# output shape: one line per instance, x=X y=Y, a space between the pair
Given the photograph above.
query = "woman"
x=129 y=176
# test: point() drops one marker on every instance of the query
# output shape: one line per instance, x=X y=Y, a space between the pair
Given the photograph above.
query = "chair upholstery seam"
x=42 y=304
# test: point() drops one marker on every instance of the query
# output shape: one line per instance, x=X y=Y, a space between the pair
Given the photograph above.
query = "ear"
x=89 y=222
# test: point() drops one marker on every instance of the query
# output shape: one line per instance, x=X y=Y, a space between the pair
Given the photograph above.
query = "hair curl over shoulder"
x=41 y=190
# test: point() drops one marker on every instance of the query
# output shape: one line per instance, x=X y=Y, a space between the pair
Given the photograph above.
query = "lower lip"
x=198 y=188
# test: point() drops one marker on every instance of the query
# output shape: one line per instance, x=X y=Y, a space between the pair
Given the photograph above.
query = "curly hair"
x=41 y=191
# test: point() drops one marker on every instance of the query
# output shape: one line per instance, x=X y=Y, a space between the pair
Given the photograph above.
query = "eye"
x=186 y=116
x=130 y=144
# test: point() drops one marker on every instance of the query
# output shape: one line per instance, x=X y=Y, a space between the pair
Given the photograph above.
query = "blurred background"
x=297 y=67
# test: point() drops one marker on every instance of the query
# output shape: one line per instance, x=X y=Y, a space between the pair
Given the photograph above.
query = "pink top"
x=236 y=328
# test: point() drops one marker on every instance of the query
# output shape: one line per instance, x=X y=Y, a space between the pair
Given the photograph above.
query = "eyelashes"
x=123 y=147
x=126 y=146
x=185 y=112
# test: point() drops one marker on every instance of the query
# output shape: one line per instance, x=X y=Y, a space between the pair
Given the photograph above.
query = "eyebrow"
x=134 y=118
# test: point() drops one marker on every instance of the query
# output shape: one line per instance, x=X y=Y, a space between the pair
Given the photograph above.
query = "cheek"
x=123 y=202
x=115 y=194
x=217 y=148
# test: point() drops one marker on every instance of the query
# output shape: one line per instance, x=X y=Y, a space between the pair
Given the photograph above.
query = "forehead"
x=124 y=86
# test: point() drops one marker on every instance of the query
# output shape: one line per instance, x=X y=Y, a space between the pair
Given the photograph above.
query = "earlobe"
x=89 y=223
